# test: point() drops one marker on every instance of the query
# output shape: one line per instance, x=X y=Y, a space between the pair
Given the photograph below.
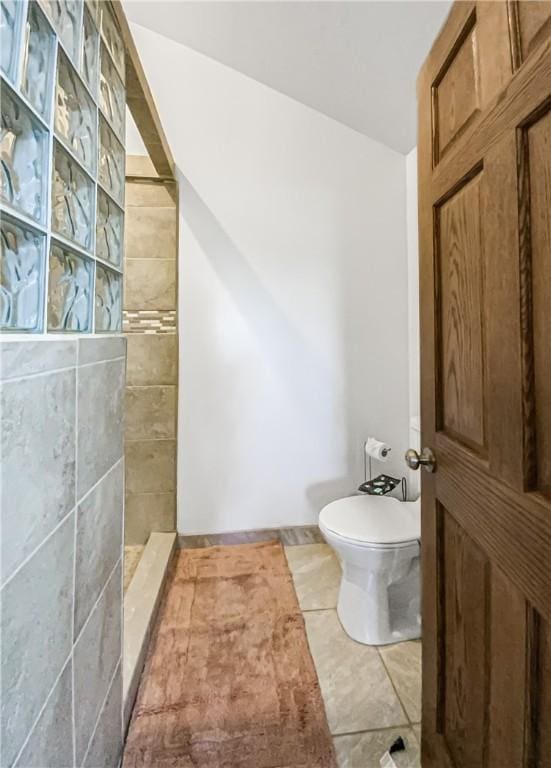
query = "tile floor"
x=132 y=556
x=372 y=695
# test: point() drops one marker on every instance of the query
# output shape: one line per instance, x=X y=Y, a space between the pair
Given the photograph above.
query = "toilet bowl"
x=378 y=541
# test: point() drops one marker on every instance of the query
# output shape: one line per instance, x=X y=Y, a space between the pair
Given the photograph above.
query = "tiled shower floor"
x=372 y=695
x=132 y=556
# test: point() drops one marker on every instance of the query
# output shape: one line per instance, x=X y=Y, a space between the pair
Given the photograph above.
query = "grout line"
x=103 y=362
x=35 y=550
x=42 y=708
x=123 y=561
x=51 y=533
x=93 y=487
x=153 y=493
x=150 y=386
x=73 y=700
x=38 y=374
x=151 y=440
x=372 y=730
x=319 y=610
x=103 y=704
x=393 y=685
x=93 y=608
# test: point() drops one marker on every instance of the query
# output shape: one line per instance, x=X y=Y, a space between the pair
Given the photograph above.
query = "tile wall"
x=62 y=486
x=150 y=304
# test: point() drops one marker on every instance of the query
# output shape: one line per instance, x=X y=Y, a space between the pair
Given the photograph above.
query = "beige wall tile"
x=152 y=359
x=150 y=412
x=147 y=512
x=150 y=193
x=150 y=466
x=150 y=233
x=150 y=285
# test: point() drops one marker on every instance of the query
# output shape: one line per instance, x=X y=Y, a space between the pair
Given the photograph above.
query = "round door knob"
x=427 y=459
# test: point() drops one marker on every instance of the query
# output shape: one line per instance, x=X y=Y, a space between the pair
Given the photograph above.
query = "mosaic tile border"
x=149 y=321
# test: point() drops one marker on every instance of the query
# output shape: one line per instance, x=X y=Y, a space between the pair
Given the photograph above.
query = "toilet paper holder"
x=382 y=484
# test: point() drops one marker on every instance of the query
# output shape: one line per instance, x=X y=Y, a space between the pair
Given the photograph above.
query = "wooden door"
x=485 y=264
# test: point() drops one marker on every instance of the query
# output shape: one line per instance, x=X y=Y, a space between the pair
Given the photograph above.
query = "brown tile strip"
x=149 y=321
x=302 y=534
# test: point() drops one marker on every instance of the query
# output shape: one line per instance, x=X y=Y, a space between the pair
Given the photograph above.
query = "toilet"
x=378 y=541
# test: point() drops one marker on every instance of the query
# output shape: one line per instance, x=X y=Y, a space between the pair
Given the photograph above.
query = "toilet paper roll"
x=376 y=449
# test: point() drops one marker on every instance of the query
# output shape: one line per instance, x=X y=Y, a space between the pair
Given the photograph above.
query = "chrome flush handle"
x=427 y=459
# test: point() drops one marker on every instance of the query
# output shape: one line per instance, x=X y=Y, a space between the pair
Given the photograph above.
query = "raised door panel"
x=463 y=645
x=460 y=316
x=456 y=91
x=541 y=720
x=538 y=168
x=507 y=662
x=493 y=24
x=532 y=19
x=494 y=657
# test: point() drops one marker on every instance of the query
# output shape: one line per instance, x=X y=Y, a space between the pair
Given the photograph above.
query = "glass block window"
x=75 y=114
x=62 y=74
x=90 y=53
x=111 y=162
x=108 y=300
x=69 y=290
x=109 y=230
x=72 y=200
x=66 y=16
x=21 y=275
x=112 y=99
x=10 y=23
x=39 y=61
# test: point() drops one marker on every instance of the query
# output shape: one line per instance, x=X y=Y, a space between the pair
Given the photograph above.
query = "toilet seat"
x=379 y=522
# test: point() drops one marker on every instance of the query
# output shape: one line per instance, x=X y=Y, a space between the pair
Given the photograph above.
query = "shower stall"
x=77 y=414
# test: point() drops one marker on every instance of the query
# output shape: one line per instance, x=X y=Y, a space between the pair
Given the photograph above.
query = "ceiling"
x=356 y=62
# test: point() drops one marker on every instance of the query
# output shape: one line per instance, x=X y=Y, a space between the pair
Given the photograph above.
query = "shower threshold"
x=141 y=602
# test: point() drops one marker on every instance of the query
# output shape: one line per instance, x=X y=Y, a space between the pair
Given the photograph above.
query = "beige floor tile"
x=316 y=575
x=356 y=689
x=132 y=556
x=403 y=662
x=364 y=750
x=417 y=732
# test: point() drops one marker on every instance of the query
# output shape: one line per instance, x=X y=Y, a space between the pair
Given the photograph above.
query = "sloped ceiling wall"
x=356 y=62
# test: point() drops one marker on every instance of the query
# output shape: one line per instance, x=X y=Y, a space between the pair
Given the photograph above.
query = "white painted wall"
x=413 y=313
x=293 y=296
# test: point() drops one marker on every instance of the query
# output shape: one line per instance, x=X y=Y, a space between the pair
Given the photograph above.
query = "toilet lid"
x=373 y=519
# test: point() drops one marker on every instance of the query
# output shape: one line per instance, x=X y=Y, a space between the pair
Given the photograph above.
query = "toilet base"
x=381 y=608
